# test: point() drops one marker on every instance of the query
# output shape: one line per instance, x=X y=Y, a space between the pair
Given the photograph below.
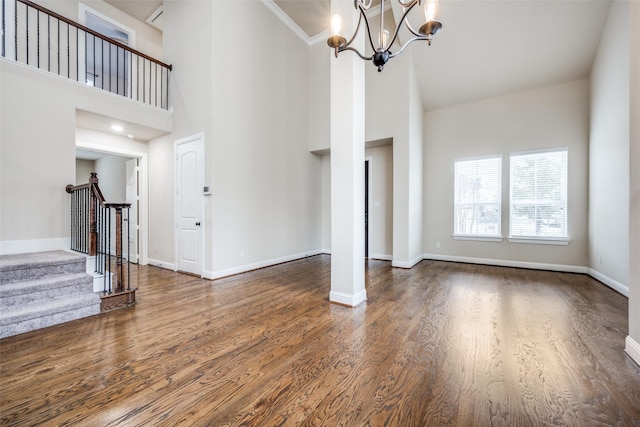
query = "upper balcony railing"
x=36 y=36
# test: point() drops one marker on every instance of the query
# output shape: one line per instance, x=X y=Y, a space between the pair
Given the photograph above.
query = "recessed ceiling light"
x=130 y=135
x=117 y=128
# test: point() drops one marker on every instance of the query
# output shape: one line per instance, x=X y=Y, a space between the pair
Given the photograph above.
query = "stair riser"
x=35 y=272
x=46 y=294
x=49 y=320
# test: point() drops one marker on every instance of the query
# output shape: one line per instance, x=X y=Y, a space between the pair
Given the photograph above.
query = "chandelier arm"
x=420 y=37
x=404 y=18
x=411 y=30
x=366 y=5
x=410 y=3
x=355 y=33
x=353 y=49
x=366 y=22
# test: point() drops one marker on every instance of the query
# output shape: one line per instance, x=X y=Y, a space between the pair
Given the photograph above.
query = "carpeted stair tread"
x=33 y=266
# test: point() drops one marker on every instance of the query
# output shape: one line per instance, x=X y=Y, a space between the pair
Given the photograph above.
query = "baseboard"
x=381 y=257
x=212 y=275
x=349 y=300
x=613 y=284
x=9 y=247
x=632 y=348
x=407 y=264
x=509 y=263
x=161 y=264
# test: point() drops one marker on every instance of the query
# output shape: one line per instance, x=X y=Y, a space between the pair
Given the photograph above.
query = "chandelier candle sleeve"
x=382 y=53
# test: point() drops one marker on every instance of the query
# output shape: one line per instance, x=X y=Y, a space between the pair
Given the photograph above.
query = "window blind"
x=478 y=197
x=538 y=194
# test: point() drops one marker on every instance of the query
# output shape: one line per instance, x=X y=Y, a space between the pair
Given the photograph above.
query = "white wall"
x=609 y=151
x=37 y=162
x=112 y=180
x=380 y=202
x=84 y=168
x=633 y=340
x=319 y=90
x=253 y=110
x=393 y=110
x=549 y=117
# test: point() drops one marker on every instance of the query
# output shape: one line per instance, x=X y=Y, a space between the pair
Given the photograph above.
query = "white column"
x=347 y=167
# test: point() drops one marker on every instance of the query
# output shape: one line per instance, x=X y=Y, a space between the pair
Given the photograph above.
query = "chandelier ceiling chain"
x=381 y=52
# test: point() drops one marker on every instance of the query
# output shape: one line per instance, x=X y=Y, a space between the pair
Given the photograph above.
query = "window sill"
x=478 y=238
x=561 y=241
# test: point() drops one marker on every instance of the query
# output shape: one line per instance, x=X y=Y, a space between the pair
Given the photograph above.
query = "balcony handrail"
x=94 y=33
x=38 y=37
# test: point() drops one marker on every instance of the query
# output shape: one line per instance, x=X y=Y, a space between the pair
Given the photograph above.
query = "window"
x=539 y=195
x=478 y=197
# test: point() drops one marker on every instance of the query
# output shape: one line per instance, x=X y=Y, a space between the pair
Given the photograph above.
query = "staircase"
x=44 y=289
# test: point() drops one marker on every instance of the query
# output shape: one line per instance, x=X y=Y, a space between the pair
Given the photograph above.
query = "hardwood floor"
x=440 y=344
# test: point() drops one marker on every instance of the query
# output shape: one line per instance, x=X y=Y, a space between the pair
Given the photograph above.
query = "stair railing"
x=98 y=229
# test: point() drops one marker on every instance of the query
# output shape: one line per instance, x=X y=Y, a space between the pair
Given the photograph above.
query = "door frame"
x=176 y=205
x=143 y=192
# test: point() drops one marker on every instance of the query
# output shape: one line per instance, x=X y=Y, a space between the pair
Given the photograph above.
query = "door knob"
x=198 y=223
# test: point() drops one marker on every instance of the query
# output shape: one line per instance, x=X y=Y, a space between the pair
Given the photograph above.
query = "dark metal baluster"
x=15 y=36
x=110 y=76
x=117 y=70
x=49 y=43
x=3 y=30
x=27 y=30
x=38 y=36
x=128 y=249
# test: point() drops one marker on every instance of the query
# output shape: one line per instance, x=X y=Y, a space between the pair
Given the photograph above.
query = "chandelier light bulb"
x=384 y=39
x=430 y=10
x=336 y=25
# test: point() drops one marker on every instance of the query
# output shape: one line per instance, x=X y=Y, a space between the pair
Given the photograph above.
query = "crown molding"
x=286 y=20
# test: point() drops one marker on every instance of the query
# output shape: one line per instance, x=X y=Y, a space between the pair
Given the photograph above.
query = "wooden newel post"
x=93 y=212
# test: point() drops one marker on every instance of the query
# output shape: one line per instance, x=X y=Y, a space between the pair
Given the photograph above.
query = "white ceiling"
x=486 y=48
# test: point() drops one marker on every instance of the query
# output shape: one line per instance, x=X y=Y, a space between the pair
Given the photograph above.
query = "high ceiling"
x=486 y=48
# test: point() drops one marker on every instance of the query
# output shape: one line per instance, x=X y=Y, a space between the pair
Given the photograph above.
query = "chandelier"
x=381 y=53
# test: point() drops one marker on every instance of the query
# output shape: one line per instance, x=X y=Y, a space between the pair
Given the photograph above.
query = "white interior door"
x=132 y=197
x=189 y=205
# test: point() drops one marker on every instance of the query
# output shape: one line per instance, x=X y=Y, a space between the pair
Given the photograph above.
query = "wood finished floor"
x=440 y=344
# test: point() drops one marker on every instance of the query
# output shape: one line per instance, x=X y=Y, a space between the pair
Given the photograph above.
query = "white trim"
x=162 y=264
x=9 y=247
x=382 y=257
x=407 y=264
x=350 y=300
x=538 y=151
x=212 y=275
x=478 y=238
x=286 y=20
x=632 y=348
x=540 y=240
x=613 y=284
x=322 y=37
x=143 y=188
x=509 y=263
